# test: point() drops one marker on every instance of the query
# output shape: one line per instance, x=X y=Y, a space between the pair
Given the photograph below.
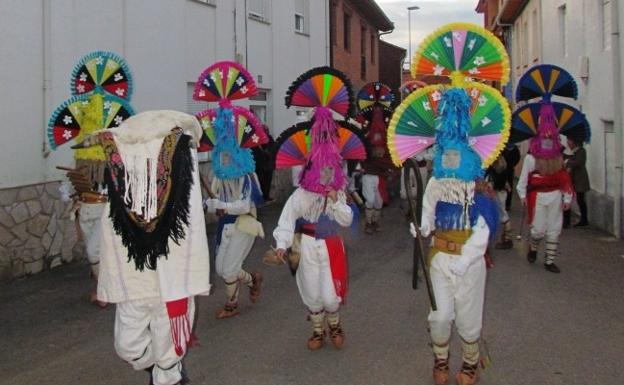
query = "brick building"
x=392 y=65
x=355 y=26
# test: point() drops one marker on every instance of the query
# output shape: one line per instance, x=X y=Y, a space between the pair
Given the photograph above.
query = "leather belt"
x=444 y=245
x=87 y=197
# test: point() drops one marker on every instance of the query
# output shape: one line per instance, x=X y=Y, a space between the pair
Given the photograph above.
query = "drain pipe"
x=617 y=118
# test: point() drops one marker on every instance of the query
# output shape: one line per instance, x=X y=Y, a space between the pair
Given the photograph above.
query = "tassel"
x=180 y=325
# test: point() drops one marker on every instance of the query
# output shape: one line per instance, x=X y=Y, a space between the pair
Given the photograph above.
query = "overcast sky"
x=431 y=15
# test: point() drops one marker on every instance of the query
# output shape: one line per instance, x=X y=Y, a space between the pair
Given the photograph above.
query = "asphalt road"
x=541 y=328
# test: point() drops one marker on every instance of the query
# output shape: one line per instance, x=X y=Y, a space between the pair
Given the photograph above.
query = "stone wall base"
x=600 y=209
x=36 y=231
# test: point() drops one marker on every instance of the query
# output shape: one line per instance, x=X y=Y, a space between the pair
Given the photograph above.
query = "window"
x=193 y=106
x=562 y=29
x=346 y=23
x=363 y=40
x=259 y=10
x=299 y=23
x=208 y=2
x=373 y=51
x=301 y=15
x=606 y=24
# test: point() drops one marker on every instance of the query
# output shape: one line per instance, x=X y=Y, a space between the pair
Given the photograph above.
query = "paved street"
x=541 y=328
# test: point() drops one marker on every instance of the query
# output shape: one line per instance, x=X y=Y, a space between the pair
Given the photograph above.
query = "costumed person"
x=318 y=207
x=154 y=251
x=101 y=86
x=575 y=165
x=545 y=187
x=501 y=175
x=230 y=132
x=375 y=101
x=469 y=124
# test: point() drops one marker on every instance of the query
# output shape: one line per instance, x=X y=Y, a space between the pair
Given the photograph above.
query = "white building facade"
x=582 y=37
x=166 y=45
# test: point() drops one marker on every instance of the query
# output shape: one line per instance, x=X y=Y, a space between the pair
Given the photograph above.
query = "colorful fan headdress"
x=229 y=131
x=321 y=144
x=542 y=122
x=375 y=101
x=102 y=85
x=469 y=119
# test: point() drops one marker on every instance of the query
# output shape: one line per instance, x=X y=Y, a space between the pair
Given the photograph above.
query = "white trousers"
x=234 y=248
x=314 y=278
x=370 y=190
x=143 y=338
x=548 y=216
x=501 y=197
x=90 y=220
x=458 y=298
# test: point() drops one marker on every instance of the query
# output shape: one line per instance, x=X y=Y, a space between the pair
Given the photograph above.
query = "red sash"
x=539 y=183
x=338 y=265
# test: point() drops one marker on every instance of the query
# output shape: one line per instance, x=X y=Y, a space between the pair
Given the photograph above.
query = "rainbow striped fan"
x=69 y=118
x=570 y=121
x=545 y=80
x=412 y=128
x=322 y=86
x=249 y=130
x=293 y=145
x=375 y=92
x=103 y=72
x=365 y=116
x=413 y=125
x=224 y=80
x=462 y=49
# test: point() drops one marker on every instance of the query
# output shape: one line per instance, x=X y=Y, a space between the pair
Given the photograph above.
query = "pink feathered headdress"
x=323 y=152
x=546 y=144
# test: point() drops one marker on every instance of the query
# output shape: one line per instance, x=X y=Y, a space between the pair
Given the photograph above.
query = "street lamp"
x=409 y=31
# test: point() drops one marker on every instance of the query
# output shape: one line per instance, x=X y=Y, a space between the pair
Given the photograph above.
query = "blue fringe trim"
x=452 y=130
x=251 y=183
x=241 y=159
x=450 y=216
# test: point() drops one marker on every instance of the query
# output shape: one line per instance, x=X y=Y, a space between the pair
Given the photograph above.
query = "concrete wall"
x=166 y=44
x=567 y=43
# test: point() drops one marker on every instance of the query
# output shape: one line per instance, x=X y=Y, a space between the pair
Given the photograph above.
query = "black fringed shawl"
x=147 y=241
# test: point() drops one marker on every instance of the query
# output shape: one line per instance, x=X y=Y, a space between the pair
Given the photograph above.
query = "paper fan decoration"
x=375 y=93
x=462 y=50
x=322 y=86
x=410 y=86
x=79 y=113
x=545 y=80
x=249 y=131
x=570 y=122
x=490 y=121
x=293 y=145
x=413 y=125
x=103 y=72
x=224 y=80
x=365 y=116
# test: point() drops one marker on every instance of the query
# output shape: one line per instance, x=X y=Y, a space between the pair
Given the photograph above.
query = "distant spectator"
x=575 y=164
x=265 y=165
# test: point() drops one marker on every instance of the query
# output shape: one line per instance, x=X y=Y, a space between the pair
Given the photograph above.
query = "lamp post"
x=409 y=31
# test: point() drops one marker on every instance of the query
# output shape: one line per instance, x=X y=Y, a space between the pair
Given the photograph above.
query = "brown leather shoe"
x=369 y=229
x=440 y=371
x=337 y=336
x=229 y=310
x=316 y=341
x=467 y=375
x=256 y=287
